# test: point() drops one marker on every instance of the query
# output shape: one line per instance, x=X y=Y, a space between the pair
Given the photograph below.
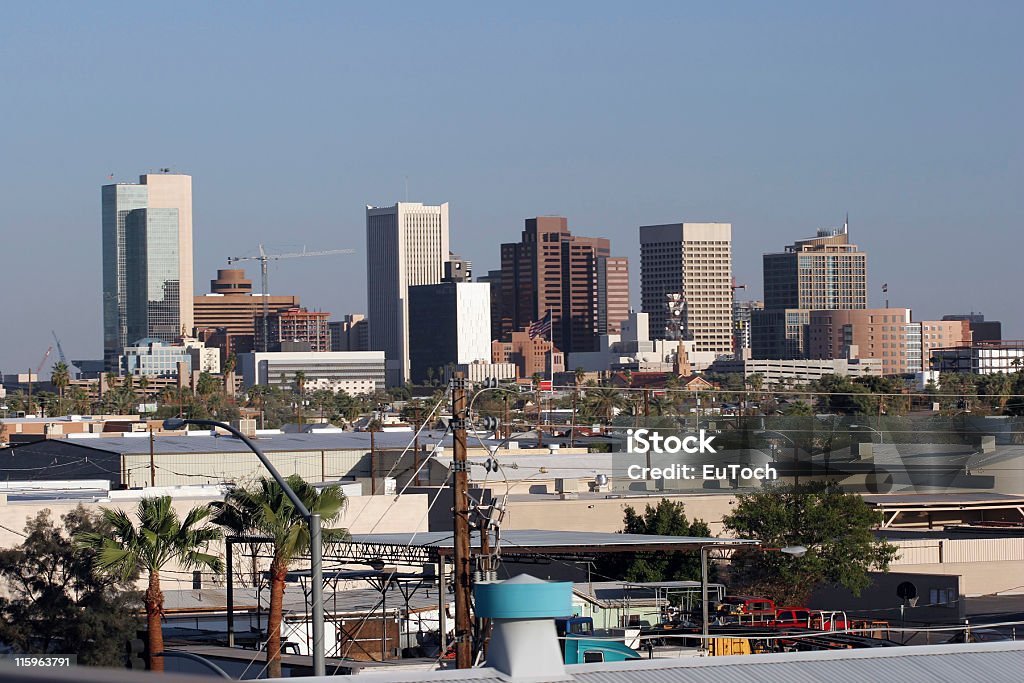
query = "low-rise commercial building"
x=798 y=371
x=531 y=356
x=354 y=372
x=154 y=358
x=634 y=350
x=979 y=359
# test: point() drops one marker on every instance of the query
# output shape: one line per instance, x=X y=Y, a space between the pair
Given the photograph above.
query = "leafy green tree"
x=835 y=527
x=265 y=510
x=122 y=550
x=55 y=603
x=668 y=518
x=845 y=396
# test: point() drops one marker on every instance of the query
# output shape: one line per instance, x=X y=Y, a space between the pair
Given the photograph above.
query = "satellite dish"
x=906 y=591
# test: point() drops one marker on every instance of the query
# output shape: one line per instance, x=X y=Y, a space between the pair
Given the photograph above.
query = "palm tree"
x=79 y=399
x=60 y=378
x=229 y=374
x=160 y=538
x=662 y=406
x=604 y=401
x=265 y=510
x=580 y=375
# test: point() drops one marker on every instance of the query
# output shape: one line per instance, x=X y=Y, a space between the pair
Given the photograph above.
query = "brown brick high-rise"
x=576 y=278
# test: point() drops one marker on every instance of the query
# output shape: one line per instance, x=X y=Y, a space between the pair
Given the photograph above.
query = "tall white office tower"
x=406 y=245
x=686 y=283
x=147 y=261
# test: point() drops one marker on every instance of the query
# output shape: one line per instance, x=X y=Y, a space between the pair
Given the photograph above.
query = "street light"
x=881 y=438
x=705 y=634
x=796 y=457
x=315 y=542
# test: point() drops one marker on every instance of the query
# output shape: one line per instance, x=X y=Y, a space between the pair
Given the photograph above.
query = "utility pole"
x=416 y=446
x=460 y=494
x=152 y=459
x=373 y=463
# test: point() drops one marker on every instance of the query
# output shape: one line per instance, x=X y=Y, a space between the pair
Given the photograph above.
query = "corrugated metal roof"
x=988 y=662
x=331 y=441
x=953 y=498
x=537 y=538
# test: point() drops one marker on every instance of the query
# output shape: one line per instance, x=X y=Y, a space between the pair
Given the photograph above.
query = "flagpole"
x=551 y=350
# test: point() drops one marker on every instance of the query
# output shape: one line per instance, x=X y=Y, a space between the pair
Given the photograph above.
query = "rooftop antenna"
x=846 y=224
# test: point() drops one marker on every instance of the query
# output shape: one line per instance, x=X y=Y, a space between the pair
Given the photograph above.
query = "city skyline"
x=801 y=120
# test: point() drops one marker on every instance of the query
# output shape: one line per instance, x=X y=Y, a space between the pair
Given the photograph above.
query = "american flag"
x=542 y=327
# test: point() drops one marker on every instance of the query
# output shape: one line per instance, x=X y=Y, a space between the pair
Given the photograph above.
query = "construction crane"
x=39 y=369
x=263 y=258
x=60 y=349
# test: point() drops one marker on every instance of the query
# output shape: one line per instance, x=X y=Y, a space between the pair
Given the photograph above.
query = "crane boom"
x=263 y=258
x=60 y=349
x=49 y=350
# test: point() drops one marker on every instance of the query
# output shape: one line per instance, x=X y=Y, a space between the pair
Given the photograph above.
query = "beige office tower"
x=174 y=191
x=686 y=284
x=147 y=261
x=406 y=245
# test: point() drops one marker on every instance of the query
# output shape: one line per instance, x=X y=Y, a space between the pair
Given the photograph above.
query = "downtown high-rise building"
x=147 y=261
x=574 y=278
x=822 y=273
x=686 y=284
x=406 y=245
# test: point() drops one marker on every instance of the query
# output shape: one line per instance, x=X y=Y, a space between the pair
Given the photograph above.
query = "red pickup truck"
x=747 y=608
x=791 y=617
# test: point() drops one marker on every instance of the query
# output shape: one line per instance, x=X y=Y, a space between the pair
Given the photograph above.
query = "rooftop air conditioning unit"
x=247 y=426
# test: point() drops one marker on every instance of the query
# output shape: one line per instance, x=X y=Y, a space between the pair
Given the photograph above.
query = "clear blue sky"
x=291 y=117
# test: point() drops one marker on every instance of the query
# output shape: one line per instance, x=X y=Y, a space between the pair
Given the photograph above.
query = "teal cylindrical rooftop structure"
x=524 y=597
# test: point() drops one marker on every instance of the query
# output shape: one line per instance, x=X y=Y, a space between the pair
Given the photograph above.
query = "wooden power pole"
x=460 y=491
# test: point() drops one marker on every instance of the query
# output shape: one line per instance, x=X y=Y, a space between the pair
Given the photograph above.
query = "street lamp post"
x=315 y=536
x=881 y=438
x=705 y=630
x=796 y=455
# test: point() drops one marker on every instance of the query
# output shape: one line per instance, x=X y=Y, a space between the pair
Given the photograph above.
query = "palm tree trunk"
x=154 y=600
x=277 y=574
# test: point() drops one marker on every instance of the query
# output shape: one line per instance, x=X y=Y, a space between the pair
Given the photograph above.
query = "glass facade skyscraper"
x=147 y=262
x=118 y=201
x=153 y=275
